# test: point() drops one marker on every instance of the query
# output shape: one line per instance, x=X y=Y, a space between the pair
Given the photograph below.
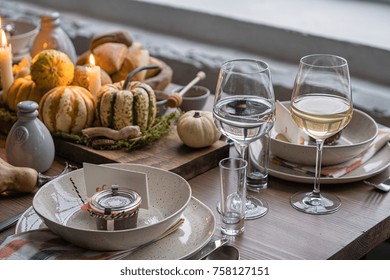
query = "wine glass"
x=244 y=110
x=321 y=104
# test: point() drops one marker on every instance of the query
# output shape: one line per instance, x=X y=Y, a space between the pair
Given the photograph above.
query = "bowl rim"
x=272 y=135
x=26 y=34
x=122 y=230
x=203 y=96
x=161 y=101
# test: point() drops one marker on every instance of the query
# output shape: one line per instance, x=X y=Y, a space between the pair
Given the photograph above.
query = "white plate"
x=355 y=138
x=374 y=166
x=194 y=234
x=59 y=206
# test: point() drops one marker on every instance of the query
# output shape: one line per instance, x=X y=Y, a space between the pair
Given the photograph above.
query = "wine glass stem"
x=243 y=151
x=320 y=145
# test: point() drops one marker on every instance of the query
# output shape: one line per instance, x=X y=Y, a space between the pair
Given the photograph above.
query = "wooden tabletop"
x=362 y=223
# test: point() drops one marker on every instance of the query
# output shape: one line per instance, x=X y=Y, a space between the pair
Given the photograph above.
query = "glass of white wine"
x=321 y=104
x=244 y=110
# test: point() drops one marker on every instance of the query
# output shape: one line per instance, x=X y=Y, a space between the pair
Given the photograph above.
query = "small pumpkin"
x=197 y=129
x=51 y=68
x=23 y=89
x=126 y=103
x=67 y=109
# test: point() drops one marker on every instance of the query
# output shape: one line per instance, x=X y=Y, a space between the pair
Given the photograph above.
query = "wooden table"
x=362 y=223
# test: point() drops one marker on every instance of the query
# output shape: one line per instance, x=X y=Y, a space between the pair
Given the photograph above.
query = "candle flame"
x=3 y=39
x=92 y=60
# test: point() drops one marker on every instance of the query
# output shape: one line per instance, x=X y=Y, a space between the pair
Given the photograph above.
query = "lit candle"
x=93 y=73
x=7 y=77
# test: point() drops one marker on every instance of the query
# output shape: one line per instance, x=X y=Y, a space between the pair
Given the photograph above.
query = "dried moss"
x=162 y=126
x=6 y=115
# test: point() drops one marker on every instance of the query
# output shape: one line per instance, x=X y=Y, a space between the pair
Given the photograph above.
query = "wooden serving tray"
x=168 y=153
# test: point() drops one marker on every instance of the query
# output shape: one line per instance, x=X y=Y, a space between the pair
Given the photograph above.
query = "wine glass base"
x=255 y=208
x=317 y=204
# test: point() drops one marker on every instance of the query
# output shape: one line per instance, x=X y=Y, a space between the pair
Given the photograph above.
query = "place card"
x=98 y=175
x=285 y=125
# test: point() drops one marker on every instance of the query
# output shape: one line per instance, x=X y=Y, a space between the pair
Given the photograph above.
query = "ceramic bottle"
x=52 y=36
x=29 y=142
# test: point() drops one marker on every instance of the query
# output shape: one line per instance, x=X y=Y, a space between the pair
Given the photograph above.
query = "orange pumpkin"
x=23 y=89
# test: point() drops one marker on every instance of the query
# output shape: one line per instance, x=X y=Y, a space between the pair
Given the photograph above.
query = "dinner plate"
x=378 y=163
x=196 y=231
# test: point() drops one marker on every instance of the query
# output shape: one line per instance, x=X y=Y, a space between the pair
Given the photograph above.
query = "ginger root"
x=131 y=131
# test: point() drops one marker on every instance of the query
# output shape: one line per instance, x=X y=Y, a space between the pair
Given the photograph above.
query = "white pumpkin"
x=197 y=129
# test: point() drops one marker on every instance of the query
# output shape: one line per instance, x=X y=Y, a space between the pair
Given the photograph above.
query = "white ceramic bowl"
x=355 y=138
x=58 y=204
x=22 y=37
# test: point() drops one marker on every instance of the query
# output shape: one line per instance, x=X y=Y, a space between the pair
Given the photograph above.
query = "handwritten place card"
x=98 y=175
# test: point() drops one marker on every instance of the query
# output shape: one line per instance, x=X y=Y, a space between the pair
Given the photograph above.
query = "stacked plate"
x=59 y=206
x=355 y=139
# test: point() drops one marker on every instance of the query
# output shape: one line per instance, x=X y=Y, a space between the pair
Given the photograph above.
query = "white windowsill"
x=204 y=33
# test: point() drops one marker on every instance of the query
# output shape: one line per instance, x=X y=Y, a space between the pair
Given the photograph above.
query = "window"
x=203 y=33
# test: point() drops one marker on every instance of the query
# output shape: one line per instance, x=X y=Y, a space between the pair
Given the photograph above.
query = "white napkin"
x=43 y=244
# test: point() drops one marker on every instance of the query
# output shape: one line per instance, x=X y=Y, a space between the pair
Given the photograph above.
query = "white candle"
x=93 y=72
x=7 y=77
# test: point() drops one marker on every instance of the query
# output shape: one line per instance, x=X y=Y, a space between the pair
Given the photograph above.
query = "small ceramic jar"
x=29 y=142
x=52 y=36
x=115 y=209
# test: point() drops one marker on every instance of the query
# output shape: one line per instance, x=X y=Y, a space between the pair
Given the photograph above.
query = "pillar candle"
x=7 y=77
x=93 y=72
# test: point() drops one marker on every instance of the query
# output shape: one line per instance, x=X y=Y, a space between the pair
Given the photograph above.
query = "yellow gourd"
x=51 y=68
x=197 y=129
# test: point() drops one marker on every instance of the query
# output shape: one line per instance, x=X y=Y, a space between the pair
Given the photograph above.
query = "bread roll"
x=110 y=56
x=136 y=57
x=120 y=36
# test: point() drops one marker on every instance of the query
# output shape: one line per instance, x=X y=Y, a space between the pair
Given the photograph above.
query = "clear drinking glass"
x=232 y=209
x=244 y=110
x=321 y=104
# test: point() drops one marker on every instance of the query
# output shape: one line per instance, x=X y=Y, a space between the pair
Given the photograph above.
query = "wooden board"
x=168 y=153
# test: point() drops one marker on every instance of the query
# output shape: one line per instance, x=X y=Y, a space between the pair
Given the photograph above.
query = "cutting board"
x=168 y=153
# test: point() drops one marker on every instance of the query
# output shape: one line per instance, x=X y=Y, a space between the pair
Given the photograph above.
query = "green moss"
x=6 y=115
x=162 y=126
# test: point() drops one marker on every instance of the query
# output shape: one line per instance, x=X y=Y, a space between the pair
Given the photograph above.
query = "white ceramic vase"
x=29 y=142
x=52 y=36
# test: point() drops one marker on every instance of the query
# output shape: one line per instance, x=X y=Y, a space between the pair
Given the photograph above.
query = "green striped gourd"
x=67 y=109
x=126 y=103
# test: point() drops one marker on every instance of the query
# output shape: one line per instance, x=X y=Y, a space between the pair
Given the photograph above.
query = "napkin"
x=43 y=244
x=339 y=170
